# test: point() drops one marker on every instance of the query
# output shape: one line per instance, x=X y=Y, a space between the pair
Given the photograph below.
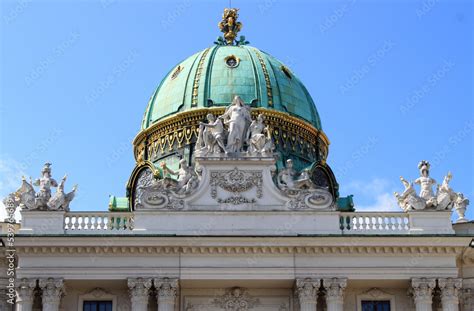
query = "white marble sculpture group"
x=233 y=130
x=233 y=136
x=444 y=198
x=27 y=198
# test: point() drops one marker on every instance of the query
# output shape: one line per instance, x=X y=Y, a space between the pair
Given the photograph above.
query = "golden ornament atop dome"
x=229 y=25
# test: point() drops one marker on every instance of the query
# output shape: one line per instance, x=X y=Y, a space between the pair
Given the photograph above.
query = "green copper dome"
x=214 y=76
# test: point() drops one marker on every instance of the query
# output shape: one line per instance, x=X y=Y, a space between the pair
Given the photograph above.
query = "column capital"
x=307 y=290
x=139 y=289
x=335 y=287
x=422 y=289
x=450 y=290
x=166 y=291
x=166 y=287
x=25 y=290
x=335 y=293
x=52 y=289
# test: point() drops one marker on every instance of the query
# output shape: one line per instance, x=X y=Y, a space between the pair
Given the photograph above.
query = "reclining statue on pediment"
x=301 y=190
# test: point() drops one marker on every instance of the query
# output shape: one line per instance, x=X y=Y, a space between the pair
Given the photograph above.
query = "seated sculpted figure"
x=285 y=178
x=212 y=135
x=445 y=196
x=258 y=137
x=187 y=177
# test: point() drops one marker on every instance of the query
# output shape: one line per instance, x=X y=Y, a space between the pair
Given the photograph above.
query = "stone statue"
x=237 y=118
x=211 y=135
x=61 y=200
x=444 y=199
x=301 y=190
x=187 y=178
x=45 y=182
x=460 y=206
x=259 y=137
x=426 y=183
x=285 y=178
x=408 y=199
x=445 y=196
x=289 y=180
x=26 y=198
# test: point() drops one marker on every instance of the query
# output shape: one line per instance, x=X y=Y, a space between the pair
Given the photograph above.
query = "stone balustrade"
x=294 y=222
x=374 y=223
x=78 y=222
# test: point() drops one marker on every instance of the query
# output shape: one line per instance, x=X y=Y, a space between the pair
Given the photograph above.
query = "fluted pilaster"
x=53 y=289
x=335 y=293
x=166 y=291
x=307 y=291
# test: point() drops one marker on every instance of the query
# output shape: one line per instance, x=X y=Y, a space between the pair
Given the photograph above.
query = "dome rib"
x=258 y=91
x=187 y=82
x=277 y=87
x=207 y=85
x=259 y=79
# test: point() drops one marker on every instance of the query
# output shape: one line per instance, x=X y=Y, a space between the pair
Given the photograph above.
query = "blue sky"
x=393 y=83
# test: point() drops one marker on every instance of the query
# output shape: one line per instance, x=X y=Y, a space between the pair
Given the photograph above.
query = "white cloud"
x=384 y=202
x=375 y=195
x=10 y=180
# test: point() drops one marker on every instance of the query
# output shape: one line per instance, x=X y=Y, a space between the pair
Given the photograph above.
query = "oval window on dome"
x=286 y=71
x=232 y=61
x=176 y=72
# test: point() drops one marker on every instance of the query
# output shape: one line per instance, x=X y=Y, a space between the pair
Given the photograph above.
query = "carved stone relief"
x=236 y=299
x=236 y=182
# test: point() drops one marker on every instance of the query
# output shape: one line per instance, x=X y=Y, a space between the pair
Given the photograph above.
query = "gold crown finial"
x=230 y=26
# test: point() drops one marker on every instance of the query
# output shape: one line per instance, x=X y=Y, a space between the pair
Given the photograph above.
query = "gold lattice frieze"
x=289 y=133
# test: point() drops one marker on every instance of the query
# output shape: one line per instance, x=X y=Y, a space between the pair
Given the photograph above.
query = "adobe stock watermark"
x=331 y=20
x=265 y=6
x=10 y=252
x=452 y=142
x=18 y=10
x=174 y=14
x=112 y=78
x=426 y=7
x=357 y=155
x=43 y=146
x=373 y=60
x=428 y=85
x=51 y=59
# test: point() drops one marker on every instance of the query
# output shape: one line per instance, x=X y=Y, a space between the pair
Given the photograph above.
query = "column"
x=450 y=293
x=467 y=297
x=307 y=291
x=166 y=291
x=335 y=293
x=25 y=294
x=423 y=293
x=53 y=289
x=139 y=289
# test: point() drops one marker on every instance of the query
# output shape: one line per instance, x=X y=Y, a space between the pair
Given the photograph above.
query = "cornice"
x=232 y=250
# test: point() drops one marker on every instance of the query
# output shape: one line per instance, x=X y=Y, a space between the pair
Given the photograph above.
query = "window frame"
x=376 y=294
x=97 y=294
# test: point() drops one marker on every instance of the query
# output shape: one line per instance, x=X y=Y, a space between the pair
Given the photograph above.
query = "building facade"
x=232 y=206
